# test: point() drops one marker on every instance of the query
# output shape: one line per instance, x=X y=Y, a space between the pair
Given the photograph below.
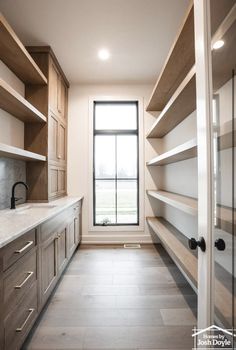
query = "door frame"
x=205 y=173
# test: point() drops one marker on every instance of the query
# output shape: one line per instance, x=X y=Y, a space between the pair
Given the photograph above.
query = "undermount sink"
x=33 y=207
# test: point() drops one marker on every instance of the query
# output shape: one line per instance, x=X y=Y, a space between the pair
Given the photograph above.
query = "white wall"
x=78 y=151
x=11 y=129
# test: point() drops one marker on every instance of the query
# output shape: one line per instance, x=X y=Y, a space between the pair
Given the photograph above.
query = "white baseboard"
x=116 y=239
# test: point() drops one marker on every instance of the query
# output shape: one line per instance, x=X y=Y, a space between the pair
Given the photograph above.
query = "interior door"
x=223 y=63
x=215 y=37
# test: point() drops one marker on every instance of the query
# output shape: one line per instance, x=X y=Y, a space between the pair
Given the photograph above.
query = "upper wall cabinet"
x=57 y=91
x=16 y=57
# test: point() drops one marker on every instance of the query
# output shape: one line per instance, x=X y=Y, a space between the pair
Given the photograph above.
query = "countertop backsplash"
x=11 y=170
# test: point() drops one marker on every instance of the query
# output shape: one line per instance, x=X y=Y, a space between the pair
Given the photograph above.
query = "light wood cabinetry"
x=62 y=249
x=54 y=178
x=48 y=266
x=57 y=92
x=30 y=267
x=19 y=61
x=43 y=111
x=57 y=140
x=71 y=240
x=18 y=289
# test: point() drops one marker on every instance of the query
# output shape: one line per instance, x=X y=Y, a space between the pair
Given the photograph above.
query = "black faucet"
x=13 y=198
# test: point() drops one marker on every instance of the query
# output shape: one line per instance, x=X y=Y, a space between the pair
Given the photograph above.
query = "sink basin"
x=26 y=208
x=43 y=206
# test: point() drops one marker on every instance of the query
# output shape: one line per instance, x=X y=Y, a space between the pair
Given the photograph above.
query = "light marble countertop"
x=16 y=222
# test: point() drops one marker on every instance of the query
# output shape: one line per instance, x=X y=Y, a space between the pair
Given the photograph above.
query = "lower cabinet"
x=48 y=267
x=30 y=267
x=62 y=250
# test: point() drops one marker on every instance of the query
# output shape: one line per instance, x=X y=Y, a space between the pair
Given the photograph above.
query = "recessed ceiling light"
x=104 y=54
x=218 y=44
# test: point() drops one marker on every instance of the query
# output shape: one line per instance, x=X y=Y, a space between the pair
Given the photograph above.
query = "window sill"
x=109 y=229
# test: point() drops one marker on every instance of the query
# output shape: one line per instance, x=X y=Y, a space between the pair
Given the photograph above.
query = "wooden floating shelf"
x=180 y=105
x=13 y=103
x=183 y=203
x=18 y=153
x=179 y=61
x=15 y=56
x=190 y=206
x=176 y=244
x=182 y=152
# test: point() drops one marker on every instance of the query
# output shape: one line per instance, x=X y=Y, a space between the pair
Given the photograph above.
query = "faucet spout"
x=13 y=198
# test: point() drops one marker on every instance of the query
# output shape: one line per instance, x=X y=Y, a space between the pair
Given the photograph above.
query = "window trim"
x=116 y=132
x=131 y=229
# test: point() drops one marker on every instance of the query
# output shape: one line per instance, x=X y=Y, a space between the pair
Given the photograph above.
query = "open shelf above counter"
x=180 y=105
x=16 y=57
x=13 y=103
x=19 y=153
x=178 y=63
x=183 y=203
x=182 y=152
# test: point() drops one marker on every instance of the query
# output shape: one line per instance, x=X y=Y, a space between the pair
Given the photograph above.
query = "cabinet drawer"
x=51 y=226
x=19 y=247
x=18 y=280
x=20 y=320
x=74 y=209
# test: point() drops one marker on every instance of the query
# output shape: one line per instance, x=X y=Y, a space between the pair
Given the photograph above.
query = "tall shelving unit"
x=43 y=110
x=18 y=60
x=174 y=96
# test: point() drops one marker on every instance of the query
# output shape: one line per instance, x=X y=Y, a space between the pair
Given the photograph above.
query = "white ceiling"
x=138 y=33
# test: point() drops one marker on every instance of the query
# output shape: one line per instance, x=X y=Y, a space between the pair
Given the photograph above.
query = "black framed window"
x=116 y=163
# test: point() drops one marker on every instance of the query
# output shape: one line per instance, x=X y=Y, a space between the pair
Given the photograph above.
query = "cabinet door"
x=61 y=181
x=61 y=152
x=49 y=266
x=53 y=143
x=77 y=229
x=57 y=181
x=53 y=181
x=71 y=239
x=54 y=89
x=62 y=100
x=62 y=251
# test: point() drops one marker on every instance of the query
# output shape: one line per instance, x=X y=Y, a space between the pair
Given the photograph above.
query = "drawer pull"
x=28 y=244
x=29 y=274
x=20 y=329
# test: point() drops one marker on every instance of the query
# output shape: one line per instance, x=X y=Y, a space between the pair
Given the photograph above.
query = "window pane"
x=127 y=156
x=116 y=116
x=105 y=157
x=105 y=211
x=127 y=202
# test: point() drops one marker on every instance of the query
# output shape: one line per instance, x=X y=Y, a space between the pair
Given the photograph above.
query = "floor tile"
x=177 y=317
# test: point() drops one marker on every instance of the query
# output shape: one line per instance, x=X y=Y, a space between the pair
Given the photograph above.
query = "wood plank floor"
x=114 y=298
